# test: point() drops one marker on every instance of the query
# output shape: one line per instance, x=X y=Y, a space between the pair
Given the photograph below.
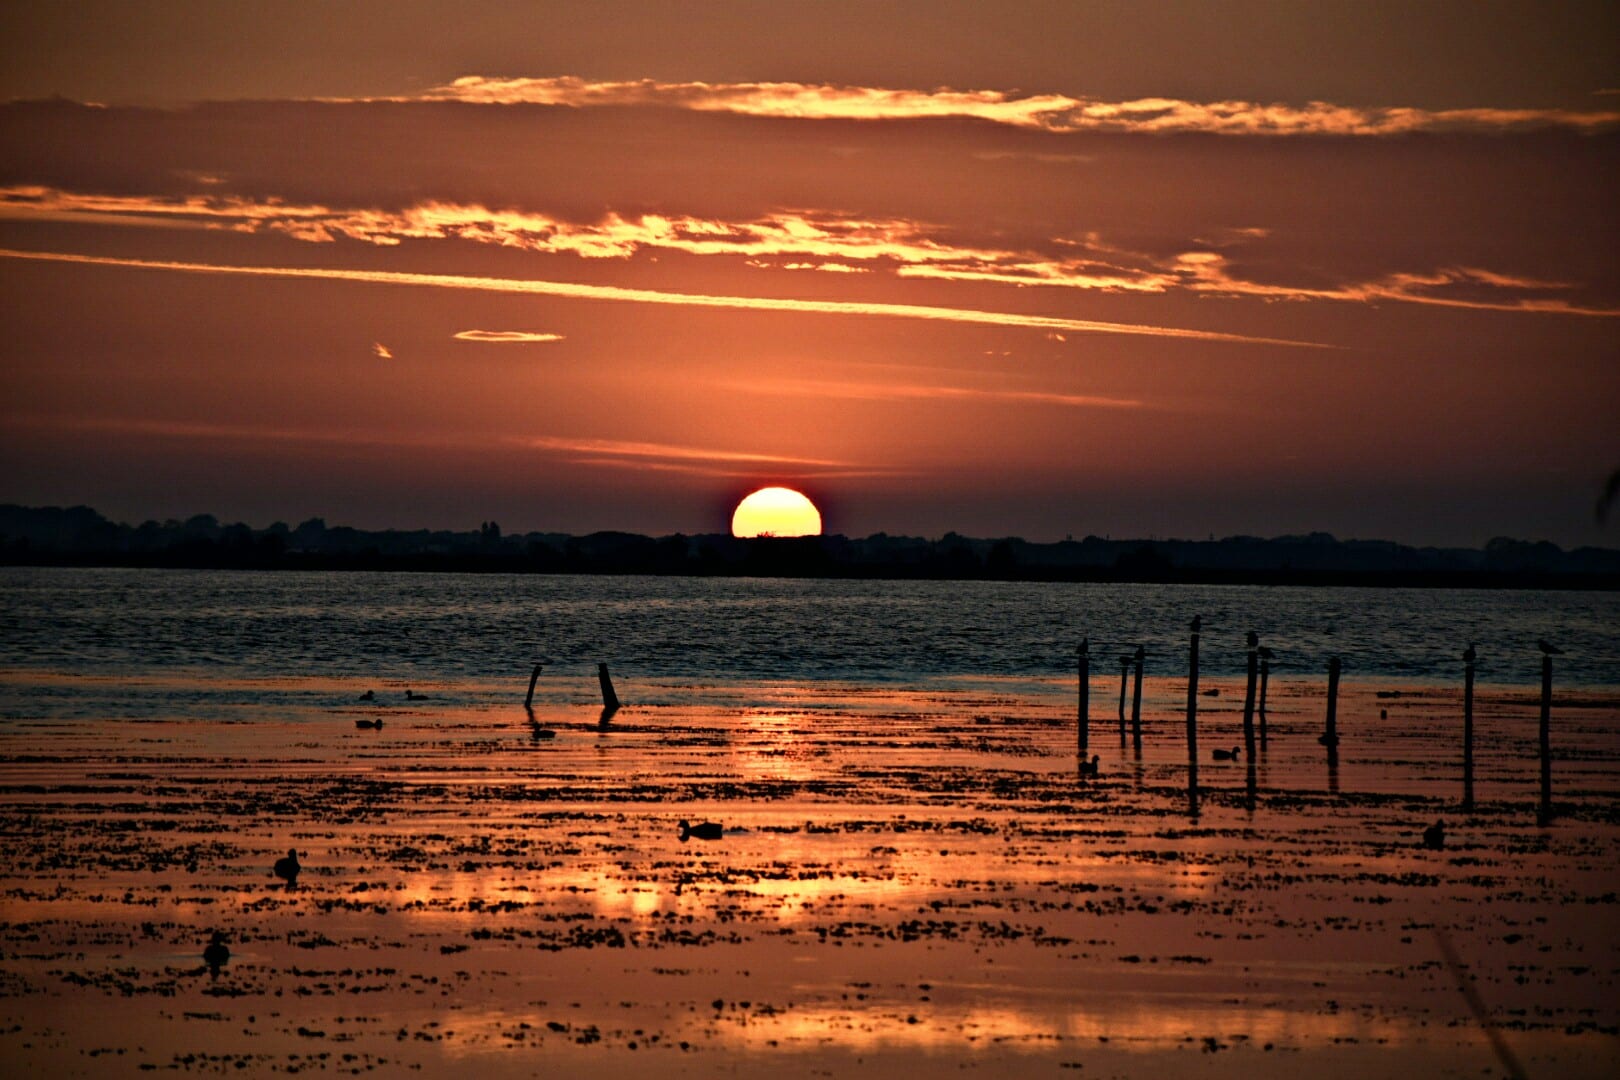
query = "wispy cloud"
x=970 y=316
x=859 y=391
x=666 y=457
x=801 y=240
x=501 y=337
x=1045 y=112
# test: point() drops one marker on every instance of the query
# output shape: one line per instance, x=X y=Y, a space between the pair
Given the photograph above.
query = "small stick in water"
x=534 y=677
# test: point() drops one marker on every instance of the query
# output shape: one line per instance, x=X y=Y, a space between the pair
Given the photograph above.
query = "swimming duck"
x=287 y=869
x=1092 y=767
x=216 y=953
x=1228 y=755
x=375 y=725
x=706 y=830
x=369 y=695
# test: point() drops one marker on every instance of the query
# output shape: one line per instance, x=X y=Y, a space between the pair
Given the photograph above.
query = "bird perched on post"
x=1253 y=639
x=1548 y=650
x=1090 y=768
x=1085 y=646
x=706 y=830
x=1198 y=621
x=1434 y=837
x=1468 y=654
x=287 y=869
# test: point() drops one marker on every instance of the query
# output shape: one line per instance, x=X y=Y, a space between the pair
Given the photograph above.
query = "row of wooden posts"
x=1259 y=670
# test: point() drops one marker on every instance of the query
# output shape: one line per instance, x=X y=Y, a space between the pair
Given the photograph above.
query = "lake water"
x=480 y=634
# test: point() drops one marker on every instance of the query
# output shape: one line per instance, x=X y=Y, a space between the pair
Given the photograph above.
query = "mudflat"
x=905 y=878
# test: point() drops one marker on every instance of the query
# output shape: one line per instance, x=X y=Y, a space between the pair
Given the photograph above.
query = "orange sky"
x=1039 y=270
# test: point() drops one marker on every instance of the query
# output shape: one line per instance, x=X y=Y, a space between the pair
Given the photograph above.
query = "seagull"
x=1198 y=621
x=287 y=869
x=1548 y=650
x=1085 y=646
x=375 y=725
x=1090 y=768
x=216 y=953
x=1468 y=654
x=1228 y=755
x=706 y=830
x=1253 y=640
x=1434 y=837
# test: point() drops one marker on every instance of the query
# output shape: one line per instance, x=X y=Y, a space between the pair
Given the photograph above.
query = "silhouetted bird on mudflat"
x=374 y=725
x=369 y=695
x=1092 y=767
x=1228 y=755
x=1549 y=650
x=1434 y=837
x=287 y=869
x=411 y=695
x=216 y=954
x=706 y=830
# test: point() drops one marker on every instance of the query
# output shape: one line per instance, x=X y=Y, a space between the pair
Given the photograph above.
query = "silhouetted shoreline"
x=79 y=536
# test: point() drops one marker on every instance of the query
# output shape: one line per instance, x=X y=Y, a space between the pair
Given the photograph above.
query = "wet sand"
x=909 y=879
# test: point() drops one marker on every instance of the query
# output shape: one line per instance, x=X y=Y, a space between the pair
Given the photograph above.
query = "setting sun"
x=776 y=511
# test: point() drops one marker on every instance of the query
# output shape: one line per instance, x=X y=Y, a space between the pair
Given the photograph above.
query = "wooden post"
x=1248 y=697
x=1330 y=737
x=1136 y=702
x=1083 y=715
x=1192 y=720
x=534 y=677
x=610 y=700
x=1545 y=814
x=1265 y=677
x=1468 y=729
x=1124 y=683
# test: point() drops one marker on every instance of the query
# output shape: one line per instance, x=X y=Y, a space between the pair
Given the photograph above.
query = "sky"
x=1038 y=270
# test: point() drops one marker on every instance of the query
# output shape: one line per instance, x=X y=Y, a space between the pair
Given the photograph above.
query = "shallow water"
x=914 y=876
x=479 y=630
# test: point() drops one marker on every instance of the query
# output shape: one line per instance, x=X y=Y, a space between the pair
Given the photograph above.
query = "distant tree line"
x=79 y=536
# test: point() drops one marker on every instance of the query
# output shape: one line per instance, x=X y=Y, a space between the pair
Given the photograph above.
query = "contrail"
x=653 y=296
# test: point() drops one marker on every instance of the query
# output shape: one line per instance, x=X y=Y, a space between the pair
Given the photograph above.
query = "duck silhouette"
x=373 y=725
x=1328 y=741
x=1092 y=767
x=1228 y=755
x=288 y=869
x=369 y=695
x=216 y=954
x=704 y=830
x=1434 y=837
x=411 y=695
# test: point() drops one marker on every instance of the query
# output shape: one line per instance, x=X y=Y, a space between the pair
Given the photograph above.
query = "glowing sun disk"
x=776 y=511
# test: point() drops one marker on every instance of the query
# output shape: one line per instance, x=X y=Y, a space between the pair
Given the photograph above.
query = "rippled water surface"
x=438 y=627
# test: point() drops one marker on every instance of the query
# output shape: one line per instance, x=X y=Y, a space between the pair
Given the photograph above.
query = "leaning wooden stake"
x=1545 y=814
x=1468 y=729
x=1136 y=702
x=534 y=677
x=1083 y=711
x=1192 y=720
x=610 y=700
